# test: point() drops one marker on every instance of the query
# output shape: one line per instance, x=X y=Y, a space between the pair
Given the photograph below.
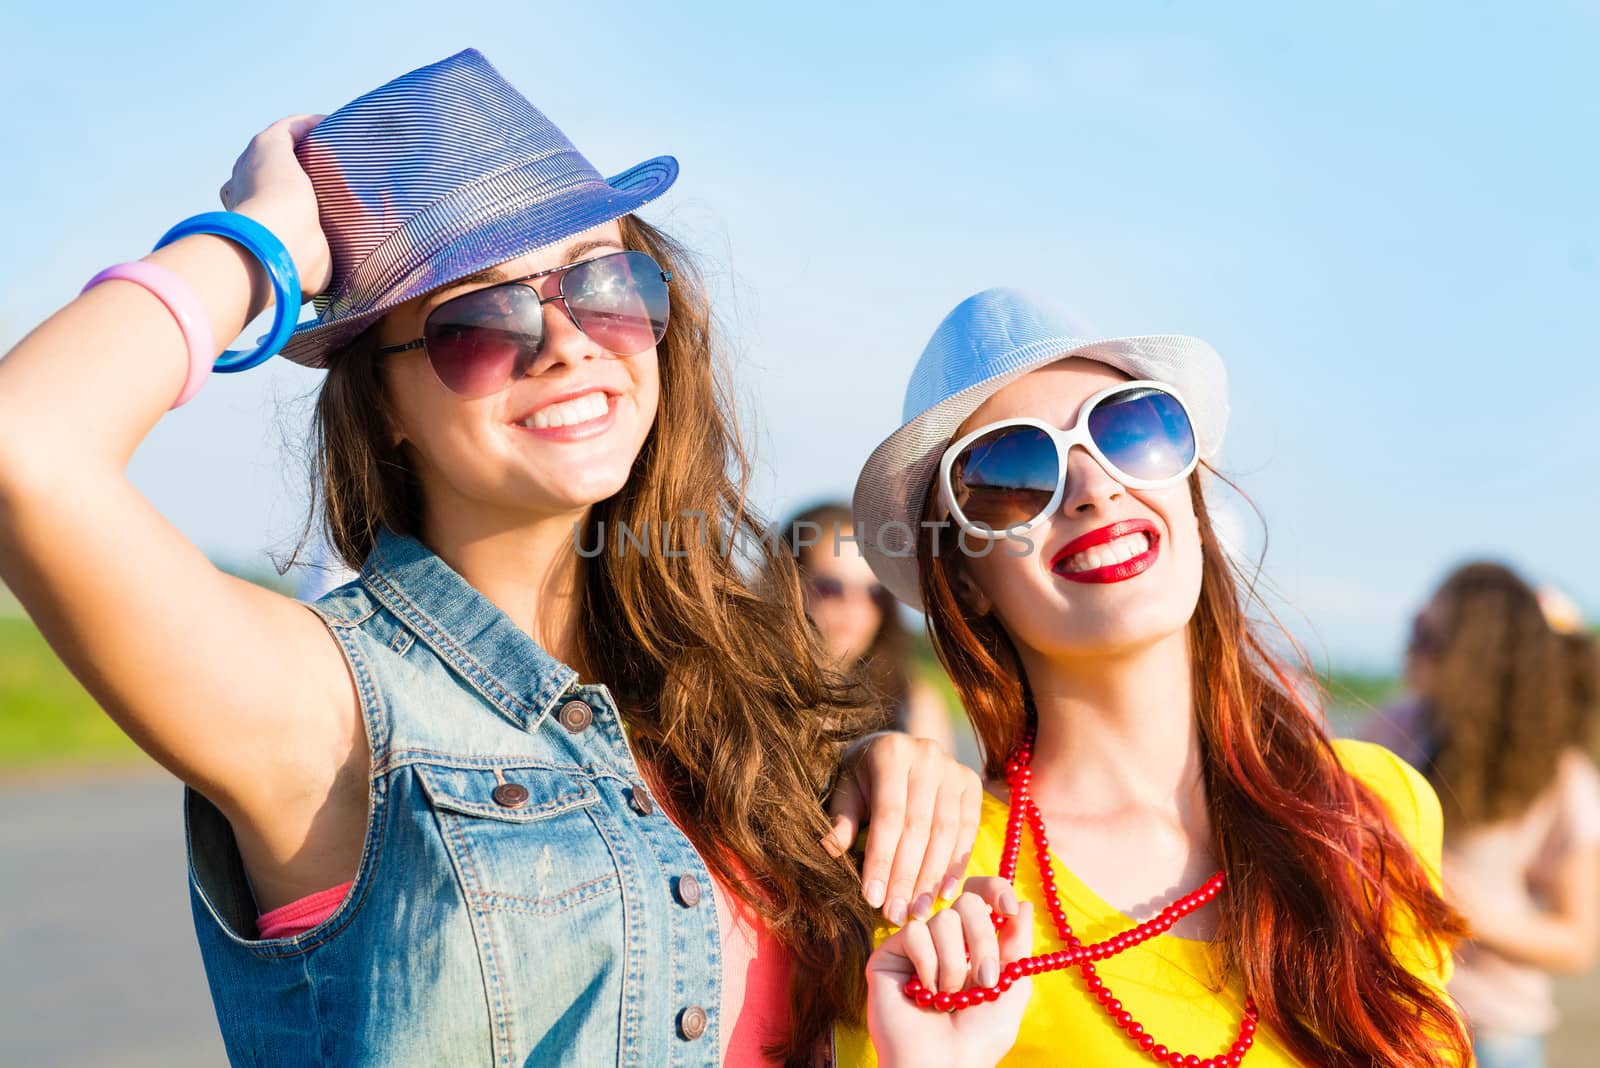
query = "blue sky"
x=1384 y=217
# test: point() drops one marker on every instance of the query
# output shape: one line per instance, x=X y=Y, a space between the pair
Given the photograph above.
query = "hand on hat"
x=270 y=186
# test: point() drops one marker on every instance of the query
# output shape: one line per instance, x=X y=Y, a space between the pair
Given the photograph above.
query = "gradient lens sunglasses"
x=1007 y=476
x=482 y=341
x=828 y=588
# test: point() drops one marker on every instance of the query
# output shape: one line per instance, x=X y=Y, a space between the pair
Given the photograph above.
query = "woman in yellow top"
x=1274 y=891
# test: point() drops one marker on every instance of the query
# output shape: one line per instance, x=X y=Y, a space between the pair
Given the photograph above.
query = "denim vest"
x=521 y=898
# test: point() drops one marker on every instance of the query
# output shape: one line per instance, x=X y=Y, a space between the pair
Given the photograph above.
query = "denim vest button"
x=689 y=890
x=692 y=1022
x=639 y=799
x=510 y=795
x=576 y=716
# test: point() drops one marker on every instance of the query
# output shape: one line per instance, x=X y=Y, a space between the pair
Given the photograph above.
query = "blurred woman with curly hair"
x=1502 y=710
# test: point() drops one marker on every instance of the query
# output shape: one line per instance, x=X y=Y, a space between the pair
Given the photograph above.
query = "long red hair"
x=1318 y=876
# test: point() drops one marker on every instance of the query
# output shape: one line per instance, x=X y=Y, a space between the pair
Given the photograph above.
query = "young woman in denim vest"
x=500 y=799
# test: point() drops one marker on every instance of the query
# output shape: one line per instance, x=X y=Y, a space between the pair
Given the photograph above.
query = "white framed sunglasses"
x=1003 y=478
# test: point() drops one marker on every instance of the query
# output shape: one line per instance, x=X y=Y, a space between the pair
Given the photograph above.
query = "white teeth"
x=569 y=413
x=1119 y=551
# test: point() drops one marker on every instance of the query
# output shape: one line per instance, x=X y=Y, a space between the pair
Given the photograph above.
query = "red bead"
x=924 y=998
x=943 y=1002
x=1019 y=774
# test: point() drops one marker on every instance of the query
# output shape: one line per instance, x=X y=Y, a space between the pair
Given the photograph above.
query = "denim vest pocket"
x=522 y=838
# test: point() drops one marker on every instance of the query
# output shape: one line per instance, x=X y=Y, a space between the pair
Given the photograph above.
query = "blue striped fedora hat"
x=440 y=173
x=989 y=339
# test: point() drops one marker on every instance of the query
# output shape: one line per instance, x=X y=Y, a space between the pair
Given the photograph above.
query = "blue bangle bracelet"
x=280 y=269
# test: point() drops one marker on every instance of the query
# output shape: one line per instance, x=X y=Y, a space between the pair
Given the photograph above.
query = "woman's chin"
x=1110 y=635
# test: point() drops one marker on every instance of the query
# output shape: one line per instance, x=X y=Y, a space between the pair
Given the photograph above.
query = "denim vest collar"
x=511 y=670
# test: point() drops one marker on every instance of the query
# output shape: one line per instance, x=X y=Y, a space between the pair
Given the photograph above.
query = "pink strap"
x=299 y=916
x=170 y=288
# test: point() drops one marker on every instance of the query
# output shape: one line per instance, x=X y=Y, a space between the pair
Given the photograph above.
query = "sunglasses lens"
x=1006 y=478
x=620 y=301
x=1144 y=432
x=482 y=340
x=828 y=589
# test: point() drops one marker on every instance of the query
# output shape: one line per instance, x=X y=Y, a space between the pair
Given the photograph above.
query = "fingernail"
x=896 y=912
x=989 y=973
x=950 y=888
x=831 y=844
x=1008 y=903
x=874 y=891
x=922 y=908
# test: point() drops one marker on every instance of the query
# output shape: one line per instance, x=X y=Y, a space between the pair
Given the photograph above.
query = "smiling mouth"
x=575 y=412
x=1112 y=554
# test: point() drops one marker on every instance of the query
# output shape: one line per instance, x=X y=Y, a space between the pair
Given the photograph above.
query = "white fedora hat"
x=991 y=339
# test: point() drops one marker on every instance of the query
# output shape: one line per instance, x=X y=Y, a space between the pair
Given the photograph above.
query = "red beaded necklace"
x=1077 y=954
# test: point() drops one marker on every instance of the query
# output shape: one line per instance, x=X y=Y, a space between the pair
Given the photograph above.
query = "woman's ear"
x=971 y=595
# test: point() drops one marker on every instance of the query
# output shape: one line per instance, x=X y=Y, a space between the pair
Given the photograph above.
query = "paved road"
x=98 y=964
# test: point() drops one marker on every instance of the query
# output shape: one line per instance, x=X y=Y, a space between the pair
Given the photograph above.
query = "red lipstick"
x=1127 y=569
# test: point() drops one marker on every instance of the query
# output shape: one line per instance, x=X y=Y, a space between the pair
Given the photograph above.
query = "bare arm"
x=1563 y=938
x=189 y=661
x=926 y=717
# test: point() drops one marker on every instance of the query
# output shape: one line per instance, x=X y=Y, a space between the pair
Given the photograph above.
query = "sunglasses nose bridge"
x=1085 y=481
x=561 y=338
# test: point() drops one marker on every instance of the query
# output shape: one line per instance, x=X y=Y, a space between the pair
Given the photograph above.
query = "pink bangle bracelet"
x=170 y=288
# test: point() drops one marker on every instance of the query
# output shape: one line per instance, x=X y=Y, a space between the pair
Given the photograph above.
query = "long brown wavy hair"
x=1306 y=847
x=1504 y=697
x=723 y=689
x=884 y=669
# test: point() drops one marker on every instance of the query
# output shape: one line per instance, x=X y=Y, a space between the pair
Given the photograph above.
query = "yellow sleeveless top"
x=1168 y=983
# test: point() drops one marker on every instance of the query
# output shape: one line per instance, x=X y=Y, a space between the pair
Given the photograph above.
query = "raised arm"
x=238 y=691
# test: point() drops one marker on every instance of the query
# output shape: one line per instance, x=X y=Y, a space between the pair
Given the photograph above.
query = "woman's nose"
x=1090 y=487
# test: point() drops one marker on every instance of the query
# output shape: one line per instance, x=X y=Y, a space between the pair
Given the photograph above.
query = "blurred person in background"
x=1502 y=706
x=858 y=622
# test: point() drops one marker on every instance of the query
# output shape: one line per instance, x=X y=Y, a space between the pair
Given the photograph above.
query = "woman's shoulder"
x=1577 y=788
x=1410 y=799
